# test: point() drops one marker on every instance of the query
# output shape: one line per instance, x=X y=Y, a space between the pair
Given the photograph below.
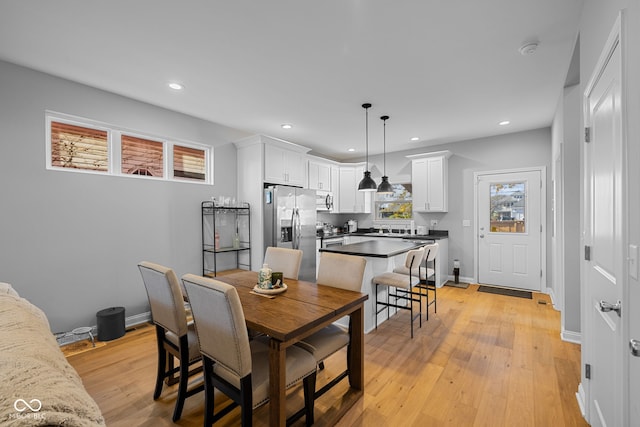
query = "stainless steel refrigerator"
x=290 y=222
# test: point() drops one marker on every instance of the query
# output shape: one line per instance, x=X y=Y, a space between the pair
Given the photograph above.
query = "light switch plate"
x=633 y=261
x=466 y=223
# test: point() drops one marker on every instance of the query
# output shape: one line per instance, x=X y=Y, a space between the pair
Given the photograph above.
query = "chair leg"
x=309 y=384
x=162 y=362
x=208 y=392
x=376 y=306
x=435 y=297
x=184 y=378
x=411 y=311
x=246 y=401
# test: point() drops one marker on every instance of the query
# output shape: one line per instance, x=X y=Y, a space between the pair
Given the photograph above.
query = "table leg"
x=277 y=372
x=356 y=370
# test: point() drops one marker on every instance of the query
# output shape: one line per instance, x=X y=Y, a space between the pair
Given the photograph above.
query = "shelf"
x=224 y=222
x=221 y=250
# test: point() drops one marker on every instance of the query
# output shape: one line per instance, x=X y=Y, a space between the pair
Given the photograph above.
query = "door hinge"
x=541 y=228
x=587 y=253
x=587 y=371
x=540 y=273
x=587 y=134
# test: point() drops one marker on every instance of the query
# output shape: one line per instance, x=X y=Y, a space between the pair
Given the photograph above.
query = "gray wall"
x=515 y=150
x=70 y=242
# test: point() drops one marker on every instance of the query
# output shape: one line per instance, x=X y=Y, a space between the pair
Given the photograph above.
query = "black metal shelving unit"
x=226 y=221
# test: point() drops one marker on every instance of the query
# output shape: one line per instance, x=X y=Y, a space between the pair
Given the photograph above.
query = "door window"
x=507 y=207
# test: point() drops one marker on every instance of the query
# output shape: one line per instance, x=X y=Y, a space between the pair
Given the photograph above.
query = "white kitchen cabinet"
x=284 y=166
x=320 y=176
x=429 y=179
x=350 y=199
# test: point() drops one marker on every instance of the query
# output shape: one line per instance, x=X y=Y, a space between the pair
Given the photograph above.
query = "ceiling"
x=443 y=70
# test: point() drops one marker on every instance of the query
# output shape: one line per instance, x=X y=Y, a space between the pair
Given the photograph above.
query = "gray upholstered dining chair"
x=427 y=275
x=174 y=335
x=338 y=271
x=285 y=260
x=404 y=287
x=233 y=364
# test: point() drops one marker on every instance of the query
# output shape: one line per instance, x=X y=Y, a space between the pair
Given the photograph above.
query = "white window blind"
x=79 y=147
x=141 y=156
x=189 y=163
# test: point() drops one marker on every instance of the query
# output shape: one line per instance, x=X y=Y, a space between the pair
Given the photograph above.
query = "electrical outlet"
x=434 y=222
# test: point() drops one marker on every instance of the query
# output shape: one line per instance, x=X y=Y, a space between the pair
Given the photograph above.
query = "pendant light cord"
x=366 y=132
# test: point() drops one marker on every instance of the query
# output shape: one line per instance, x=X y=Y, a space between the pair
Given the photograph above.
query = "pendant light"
x=384 y=187
x=367 y=183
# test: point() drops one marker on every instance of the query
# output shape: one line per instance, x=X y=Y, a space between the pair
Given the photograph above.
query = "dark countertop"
x=374 y=248
x=433 y=235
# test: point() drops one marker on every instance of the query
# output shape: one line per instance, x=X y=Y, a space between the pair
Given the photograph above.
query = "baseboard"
x=570 y=336
x=580 y=397
x=129 y=322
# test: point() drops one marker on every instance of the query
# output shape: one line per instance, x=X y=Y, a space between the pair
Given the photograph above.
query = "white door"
x=603 y=223
x=509 y=207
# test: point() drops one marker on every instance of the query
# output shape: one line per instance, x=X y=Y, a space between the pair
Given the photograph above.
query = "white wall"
x=515 y=150
x=70 y=242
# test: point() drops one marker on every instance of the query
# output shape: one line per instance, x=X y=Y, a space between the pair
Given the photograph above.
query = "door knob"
x=607 y=306
x=634 y=346
x=482 y=236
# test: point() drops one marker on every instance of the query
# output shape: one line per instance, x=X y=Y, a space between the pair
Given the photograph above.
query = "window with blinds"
x=84 y=145
x=189 y=163
x=79 y=147
x=142 y=156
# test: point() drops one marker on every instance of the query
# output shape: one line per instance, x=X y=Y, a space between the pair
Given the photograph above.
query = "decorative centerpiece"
x=264 y=277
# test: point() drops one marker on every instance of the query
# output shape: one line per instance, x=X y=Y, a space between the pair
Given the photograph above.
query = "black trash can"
x=110 y=323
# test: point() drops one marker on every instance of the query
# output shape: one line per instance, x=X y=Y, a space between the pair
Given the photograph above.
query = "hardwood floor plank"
x=482 y=360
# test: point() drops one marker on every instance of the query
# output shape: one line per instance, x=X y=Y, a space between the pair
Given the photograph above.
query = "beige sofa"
x=38 y=386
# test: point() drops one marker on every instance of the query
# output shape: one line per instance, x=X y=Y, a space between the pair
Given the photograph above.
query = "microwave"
x=324 y=201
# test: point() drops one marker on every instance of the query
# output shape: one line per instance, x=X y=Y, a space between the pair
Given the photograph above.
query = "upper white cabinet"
x=320 y=176
x=283 y=165
x=350 y=200
x=429 y=178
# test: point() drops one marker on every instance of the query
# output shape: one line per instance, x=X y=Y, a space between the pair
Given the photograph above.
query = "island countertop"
x=375 y=248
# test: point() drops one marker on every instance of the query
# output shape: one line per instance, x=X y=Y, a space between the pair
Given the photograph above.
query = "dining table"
x=290 y=316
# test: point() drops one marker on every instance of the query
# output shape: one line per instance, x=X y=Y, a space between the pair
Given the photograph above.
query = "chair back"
x=414 y=258
x=430 y=252
x=220 y=324
x=165 y=297
x=341 y=271
x=285 y=260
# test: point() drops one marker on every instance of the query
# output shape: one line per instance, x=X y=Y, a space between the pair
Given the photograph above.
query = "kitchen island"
x=382 y=256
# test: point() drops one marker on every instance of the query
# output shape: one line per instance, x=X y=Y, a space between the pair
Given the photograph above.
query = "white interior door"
x=509 y=208
x=604 y=266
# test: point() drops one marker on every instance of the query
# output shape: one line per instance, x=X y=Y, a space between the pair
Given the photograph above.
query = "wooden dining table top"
x=303 y=307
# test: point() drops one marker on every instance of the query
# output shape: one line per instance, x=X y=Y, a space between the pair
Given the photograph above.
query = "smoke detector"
x=528 y=48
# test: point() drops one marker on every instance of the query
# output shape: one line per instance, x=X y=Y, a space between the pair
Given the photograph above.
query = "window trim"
x=114 y=150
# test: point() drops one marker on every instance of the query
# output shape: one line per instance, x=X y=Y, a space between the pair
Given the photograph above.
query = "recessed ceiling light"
x=176 y=86
x=351 y=150
x=415 y=138
x=286 y=126
x=504 y=122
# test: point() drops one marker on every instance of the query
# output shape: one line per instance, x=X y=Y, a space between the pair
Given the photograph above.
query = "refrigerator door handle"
x=294 y=229
x=299 y=228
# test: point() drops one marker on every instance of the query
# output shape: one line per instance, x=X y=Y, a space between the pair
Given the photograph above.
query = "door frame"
x=543 y=219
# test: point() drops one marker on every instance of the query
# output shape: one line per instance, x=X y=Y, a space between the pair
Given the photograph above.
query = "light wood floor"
x=482 y=360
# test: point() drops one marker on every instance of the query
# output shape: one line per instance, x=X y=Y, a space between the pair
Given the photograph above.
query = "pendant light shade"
x=384 y=187
x=367 y=183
